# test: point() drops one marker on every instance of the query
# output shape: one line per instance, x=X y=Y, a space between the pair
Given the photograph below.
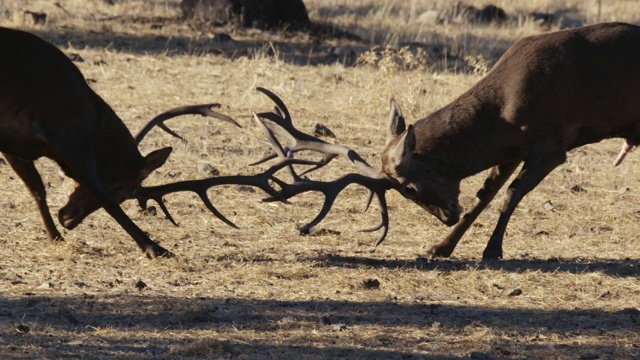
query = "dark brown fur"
x=547 y=95
x=48 y=110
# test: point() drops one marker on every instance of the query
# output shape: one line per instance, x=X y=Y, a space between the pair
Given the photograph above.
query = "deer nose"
x=69 y=217
x=451 y=220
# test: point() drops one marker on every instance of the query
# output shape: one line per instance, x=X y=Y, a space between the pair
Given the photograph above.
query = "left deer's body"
x=547 y=95
x=48 y=109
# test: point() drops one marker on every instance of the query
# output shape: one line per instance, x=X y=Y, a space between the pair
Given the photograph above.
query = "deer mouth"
x=447 y=217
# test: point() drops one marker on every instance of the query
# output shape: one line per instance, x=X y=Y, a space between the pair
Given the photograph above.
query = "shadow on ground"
x=163 y=326
x=611 y=267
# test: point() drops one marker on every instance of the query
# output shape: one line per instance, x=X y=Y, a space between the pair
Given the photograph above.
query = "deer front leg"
x=85 y=172
x=539 y=164
x=29 y=175
x=495 y=180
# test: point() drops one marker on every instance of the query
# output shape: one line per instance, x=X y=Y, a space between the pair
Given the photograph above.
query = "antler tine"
x=384 y=212
x=332 y=189
x=200 y=187
x=304 y=141
x=280 y=124
x=275 y=144
x=281 y=107
x=204 y=110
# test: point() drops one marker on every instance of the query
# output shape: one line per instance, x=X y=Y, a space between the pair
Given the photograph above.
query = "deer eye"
x=410 y=191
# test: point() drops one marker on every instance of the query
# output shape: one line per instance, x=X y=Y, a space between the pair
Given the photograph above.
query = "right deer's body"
x=547 y=95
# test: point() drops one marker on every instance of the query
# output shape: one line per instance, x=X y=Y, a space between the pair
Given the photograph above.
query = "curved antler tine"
x=170 y=132
x=282 y=129
x=326 y=207
x=369 y=199
x=204 y=110
x=384 y=222
x=264 y=159
x=275 y=144
x=166 y=212
x=278 y=112
x=279 y=103
x=325 y=160
x=143 y=204
x=218 y=214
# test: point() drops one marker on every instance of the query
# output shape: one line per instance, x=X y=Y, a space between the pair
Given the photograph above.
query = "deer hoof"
x=492 y=254
x=159 y=252
x=55 y=239
x=439 y=252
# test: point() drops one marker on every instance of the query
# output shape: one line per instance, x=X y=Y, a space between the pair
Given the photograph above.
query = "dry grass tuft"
x=567 y=289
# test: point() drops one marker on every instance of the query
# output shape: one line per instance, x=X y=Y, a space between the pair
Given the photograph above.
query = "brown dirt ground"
x=567 y=289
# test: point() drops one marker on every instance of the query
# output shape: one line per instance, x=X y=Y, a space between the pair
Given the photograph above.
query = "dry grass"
x=568 y=287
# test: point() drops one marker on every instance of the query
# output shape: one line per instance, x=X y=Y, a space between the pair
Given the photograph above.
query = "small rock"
x=149 y=211
x=7 y=205
x=22 y=329
x=577 y=189
x=222 y=37
x=371 y=284
x=46 y=285
x=325 y=320
x=340 y=327
x=37 y=17
x=246 y=189
x=321 y=130
x=208 y=169
x=513 y=292
x=140 y=285
x=76 y=57
x=549 y=206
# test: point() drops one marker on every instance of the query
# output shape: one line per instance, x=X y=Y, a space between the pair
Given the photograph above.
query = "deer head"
x=416 y=180
x=125 y=181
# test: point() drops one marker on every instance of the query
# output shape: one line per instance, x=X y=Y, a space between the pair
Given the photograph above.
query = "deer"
x=47 y=109
x=548 y=94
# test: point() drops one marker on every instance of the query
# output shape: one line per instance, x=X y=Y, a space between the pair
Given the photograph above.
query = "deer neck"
x=464 y=138
x=116 y=152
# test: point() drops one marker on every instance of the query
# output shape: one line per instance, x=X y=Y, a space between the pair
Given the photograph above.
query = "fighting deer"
x=48 y=110
x=546 y=95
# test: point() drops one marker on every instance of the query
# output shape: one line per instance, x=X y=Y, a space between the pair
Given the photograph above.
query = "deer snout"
x=69 y=217
x=450 y=219
x=448 y=216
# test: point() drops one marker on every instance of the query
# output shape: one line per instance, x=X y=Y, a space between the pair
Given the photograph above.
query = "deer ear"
x=404 y=147
x=396 y=121
x=410 y=141
x=154 y=160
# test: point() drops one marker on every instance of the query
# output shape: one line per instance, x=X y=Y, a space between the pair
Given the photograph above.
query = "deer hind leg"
x=83 y=166
x=31 y=178
x=626 y=148
x=495 y=180
x=540 y=162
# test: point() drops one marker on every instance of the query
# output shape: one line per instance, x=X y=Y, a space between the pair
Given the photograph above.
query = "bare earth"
x=568 y=287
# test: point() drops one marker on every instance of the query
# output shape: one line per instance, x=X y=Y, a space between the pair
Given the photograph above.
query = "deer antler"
x=367 y=175
x=204 y=110
x=200 y=187
x=300 y=141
